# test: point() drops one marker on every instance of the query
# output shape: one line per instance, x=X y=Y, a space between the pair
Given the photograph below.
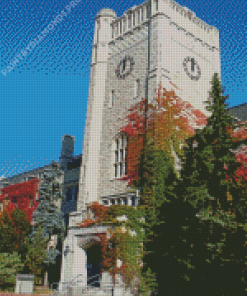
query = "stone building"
x=68 y=163
x=239 y=112
x=70 y=166
x=157 y=42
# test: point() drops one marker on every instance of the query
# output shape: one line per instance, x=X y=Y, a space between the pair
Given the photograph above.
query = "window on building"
x=112 y=97
x=120 y=156
x=138 y=16
x=134 y=19
x=142 y=14
x=129 y=21
x=137 y=88
x=98 y=28
x=147 y=10
x=75 y=192
x=121 y=26
x=71 y=193
x=124 y=24
x=66 y=222
x=157 y=5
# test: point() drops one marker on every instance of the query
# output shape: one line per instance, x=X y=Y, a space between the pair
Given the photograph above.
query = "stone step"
x=96 y=291
x=92 y=291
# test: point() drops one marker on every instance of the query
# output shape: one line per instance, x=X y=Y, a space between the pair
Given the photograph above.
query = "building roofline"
x=243 y=104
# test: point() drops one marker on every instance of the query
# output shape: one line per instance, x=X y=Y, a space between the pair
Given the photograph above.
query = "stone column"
x=79 y=267
x=67 y=262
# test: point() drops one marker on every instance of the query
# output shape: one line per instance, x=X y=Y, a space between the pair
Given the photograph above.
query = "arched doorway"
x=94 y=263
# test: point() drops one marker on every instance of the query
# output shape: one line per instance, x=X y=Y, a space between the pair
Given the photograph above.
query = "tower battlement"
x=137 y=16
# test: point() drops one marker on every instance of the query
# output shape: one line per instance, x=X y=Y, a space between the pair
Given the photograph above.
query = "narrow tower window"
x=137 y=88
x=112 y=28
x=138 y=16
x=111 y=102
x=129 y=21
x=121 y=26
x=157 y=5
x=124 y=24
x=120 y=156
x=98 y=28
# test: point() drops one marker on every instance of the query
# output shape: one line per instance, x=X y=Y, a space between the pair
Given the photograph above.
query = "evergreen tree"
x=209 y=155
x=48 y=214
x=10 y=265
x=208 y=183
x=37 y=254
x=189 y=234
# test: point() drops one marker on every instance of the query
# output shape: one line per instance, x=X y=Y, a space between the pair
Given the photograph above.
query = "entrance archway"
x=94 y=265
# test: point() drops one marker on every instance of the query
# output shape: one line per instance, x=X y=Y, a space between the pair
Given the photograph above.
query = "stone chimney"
x=67 y=151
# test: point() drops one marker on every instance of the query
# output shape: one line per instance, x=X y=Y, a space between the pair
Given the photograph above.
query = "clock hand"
x=123 y=65
x=192 y=65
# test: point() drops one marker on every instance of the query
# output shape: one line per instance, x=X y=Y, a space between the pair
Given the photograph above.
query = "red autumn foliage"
x=19 y=195
x=169 y=117
x=241 y=173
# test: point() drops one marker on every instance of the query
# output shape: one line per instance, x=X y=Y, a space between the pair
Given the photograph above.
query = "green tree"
x=208 y=183
x=10 y=265
x=14 y=231
x=37 y=254
x=157 y=182
x=209 y=155
x=48 y=214
x=189 y=234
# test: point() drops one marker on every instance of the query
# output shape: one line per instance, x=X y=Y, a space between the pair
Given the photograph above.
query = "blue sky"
x=45 y=95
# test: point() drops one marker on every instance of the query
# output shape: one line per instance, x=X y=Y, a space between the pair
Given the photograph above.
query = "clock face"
x=125 y=67
x=192 y=68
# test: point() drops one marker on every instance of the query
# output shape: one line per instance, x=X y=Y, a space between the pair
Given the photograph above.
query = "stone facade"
x=239 y=112
x=157 y=42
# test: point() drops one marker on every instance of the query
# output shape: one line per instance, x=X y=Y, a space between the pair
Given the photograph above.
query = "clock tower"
x=156 y=42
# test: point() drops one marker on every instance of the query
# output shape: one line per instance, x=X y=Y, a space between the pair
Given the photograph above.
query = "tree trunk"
x=46 y=284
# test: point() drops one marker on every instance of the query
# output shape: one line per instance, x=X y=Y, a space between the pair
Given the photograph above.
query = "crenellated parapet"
x=138 y=16
x=190 y=15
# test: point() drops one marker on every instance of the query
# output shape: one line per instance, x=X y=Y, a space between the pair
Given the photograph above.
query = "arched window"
x=120 y=156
